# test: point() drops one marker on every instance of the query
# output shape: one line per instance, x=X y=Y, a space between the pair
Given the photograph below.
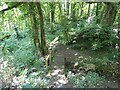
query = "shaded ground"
x=57 y=75
x=62 y=60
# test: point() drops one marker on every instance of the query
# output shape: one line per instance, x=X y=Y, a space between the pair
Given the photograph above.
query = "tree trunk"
x=73 y=11
x=52 y=5
x=42 y=32
x=109 y=14
x=35 y=28
x=3 y=20
x=81 y=9
x=26 y=20
x=119 y=49
x=47 y=13
x=100 y=15
x=67 y=8
x=60 y=11
x=52 y=20
x=89 y=10
x=97 y=8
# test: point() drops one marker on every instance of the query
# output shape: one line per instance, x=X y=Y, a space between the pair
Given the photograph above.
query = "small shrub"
x=34 y=80
x=99 y=37
x=89 y=80
x=12 y=44
x=24 y=56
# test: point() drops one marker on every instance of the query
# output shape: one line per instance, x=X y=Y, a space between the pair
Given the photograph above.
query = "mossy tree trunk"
x=97 y=12
x=118 y=48
x=52 y=7
x=89 y=9
x=34 y=27
x=67 y=8
x=73 y=16
x=52 y=14
x=60 y=10
x=42 y=32
x=109 y=14
x=81 y=13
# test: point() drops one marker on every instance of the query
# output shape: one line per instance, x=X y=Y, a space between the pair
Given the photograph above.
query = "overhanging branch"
x=14 y=6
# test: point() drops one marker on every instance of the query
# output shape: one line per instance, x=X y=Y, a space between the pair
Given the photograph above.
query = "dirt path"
x=57 y=73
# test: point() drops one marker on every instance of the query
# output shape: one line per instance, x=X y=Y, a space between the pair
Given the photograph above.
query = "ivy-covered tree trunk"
x=60 y=10
x=42 y=32
x=73 y=11
x=89 y=10
x=81 y=13
x=109 y=14
x=97 y=12
x=26 y=20
x=52 y=5
x=3 y=20
x=118 y=48
x=67 y=8
x=73 y=15
x=47 y=14
x=100 y=13
x=52 y=14
x=34 y=27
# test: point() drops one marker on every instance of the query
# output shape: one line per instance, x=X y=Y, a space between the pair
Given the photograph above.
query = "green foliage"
x=21 y=51
x=69 y=24
x=33 y=81
x=24 y=55
x=103 y=64
x=12 y=44
x=20 y=58
x=98 y=37
x=89 y=80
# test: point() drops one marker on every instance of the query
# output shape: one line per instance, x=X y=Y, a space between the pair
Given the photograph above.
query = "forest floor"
x=57 y=69
x=65 y=54
x=57 y=74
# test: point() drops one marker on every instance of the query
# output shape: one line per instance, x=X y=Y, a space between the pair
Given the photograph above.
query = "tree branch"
x=14 y=6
